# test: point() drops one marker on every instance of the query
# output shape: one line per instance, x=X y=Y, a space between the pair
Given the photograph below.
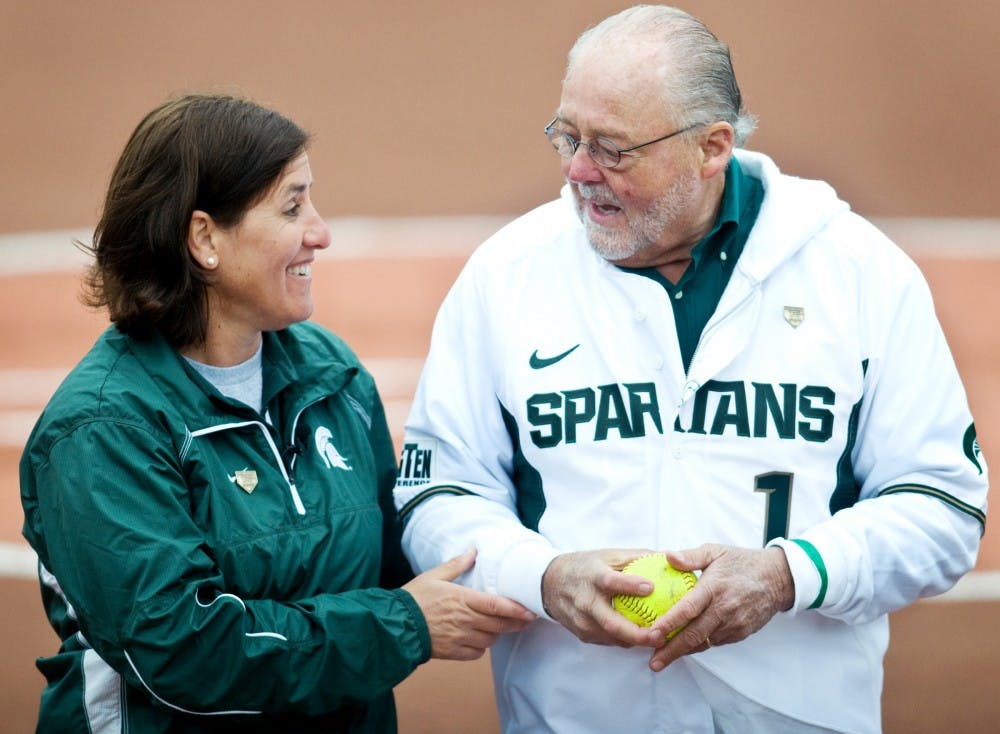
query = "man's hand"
x=577 y=590
x=739 y=591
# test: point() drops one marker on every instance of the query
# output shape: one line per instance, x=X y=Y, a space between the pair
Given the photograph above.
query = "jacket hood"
x=794 y=210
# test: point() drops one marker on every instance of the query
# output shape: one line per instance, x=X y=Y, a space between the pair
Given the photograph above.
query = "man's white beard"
x=643 y=231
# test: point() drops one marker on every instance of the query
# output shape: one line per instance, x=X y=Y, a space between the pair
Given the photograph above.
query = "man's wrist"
x=783 y=581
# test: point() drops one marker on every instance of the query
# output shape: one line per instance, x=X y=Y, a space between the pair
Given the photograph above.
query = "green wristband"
x=817 y=560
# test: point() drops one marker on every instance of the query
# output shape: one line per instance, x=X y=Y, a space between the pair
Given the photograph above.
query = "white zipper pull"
x=690 y=388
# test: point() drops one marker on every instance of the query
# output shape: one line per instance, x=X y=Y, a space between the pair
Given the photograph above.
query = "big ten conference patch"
x=416 y=463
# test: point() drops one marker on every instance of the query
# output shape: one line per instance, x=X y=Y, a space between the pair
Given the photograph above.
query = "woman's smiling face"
x=263 y=281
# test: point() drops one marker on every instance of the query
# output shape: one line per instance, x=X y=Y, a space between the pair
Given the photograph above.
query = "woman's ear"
x=200 y=244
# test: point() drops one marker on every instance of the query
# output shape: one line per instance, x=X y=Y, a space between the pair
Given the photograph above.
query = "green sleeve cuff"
x=419 y=624
x=817 y=559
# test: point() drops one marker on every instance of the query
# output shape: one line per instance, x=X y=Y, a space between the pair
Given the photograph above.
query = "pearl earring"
x=211 y=261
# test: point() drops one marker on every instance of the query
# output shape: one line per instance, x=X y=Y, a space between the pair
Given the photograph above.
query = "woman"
x=209 y=491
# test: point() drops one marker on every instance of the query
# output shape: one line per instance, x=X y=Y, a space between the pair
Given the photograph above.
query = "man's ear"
x=716 y=148
x=200 y=243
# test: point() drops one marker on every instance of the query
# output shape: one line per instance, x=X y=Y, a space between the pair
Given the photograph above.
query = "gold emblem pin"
x=795 y=315
x=247 y=479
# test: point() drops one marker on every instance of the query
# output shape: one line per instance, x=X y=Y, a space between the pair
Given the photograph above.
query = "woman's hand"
x=463 y=622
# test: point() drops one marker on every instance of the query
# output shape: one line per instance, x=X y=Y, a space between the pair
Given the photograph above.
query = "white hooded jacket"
x=822 y=405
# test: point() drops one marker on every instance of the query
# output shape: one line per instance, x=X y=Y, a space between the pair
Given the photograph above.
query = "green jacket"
x=206 y=571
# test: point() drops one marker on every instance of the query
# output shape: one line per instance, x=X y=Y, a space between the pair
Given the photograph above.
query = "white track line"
x=395 y=376
x=976 y=586
x=42 y=252
x=352 y=238
x=930 y=238
x=29 y=387
x=17 y=561
x=15 y=427
x=420 y=237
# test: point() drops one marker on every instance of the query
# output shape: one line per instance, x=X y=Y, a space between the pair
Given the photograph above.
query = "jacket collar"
x=295 y=367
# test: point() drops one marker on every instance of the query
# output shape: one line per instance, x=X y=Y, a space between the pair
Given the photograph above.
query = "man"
x=690 y=350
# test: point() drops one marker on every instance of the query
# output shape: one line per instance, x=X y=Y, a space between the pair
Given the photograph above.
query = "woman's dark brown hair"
x=214 y=153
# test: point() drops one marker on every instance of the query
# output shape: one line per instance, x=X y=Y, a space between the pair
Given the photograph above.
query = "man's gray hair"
x=697 y=72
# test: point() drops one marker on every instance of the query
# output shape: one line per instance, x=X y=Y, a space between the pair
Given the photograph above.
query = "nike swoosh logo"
x=537 y=363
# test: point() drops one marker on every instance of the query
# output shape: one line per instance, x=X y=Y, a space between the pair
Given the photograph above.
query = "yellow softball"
x=669 y=585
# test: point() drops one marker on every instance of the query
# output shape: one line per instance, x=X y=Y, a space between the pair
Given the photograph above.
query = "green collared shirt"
x=696 y=295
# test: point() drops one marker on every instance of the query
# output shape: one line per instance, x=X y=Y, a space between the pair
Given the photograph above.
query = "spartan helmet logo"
x=331 y=457
x=971 y=447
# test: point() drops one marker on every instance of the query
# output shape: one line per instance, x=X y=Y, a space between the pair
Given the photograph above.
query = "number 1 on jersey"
x=778 y=488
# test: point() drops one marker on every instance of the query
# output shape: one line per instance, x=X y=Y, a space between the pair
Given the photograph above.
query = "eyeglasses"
x=602 y=151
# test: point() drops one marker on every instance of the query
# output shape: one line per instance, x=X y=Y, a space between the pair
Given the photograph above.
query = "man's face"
x=649 y=203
